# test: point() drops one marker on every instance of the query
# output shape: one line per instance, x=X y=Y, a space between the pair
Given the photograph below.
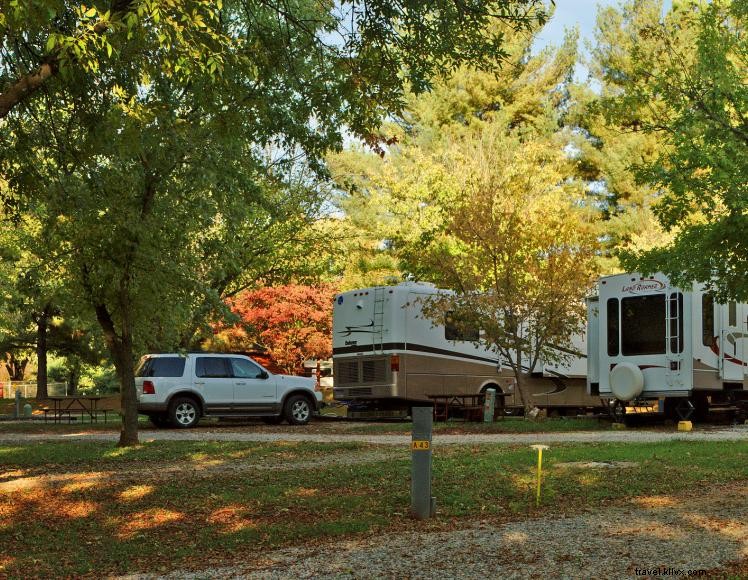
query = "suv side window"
x=161 y=366
x=212 y=368
x=245 y=369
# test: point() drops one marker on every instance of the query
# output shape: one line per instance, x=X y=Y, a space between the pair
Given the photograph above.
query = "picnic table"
x=68 y=405
x=469 y=407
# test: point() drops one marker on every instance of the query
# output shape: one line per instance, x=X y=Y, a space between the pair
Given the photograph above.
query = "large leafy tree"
x=481 y=193
x=157 y=140
x=515 y=248
x=609 y=149
x=396 y=200
x=703 y=171
x=358 y=48
x=664 y=138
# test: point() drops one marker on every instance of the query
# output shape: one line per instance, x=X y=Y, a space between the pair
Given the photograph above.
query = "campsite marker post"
x=540 y=469
x=422 y=504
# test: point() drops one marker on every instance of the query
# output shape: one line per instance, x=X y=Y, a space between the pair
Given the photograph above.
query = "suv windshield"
x=162 y=366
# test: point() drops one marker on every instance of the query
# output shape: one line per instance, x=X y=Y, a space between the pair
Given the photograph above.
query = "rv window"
x=707 y=320
x=643 y=325
x=613 y=342
x=455 y=329
x=676 y=322
x=732 y=312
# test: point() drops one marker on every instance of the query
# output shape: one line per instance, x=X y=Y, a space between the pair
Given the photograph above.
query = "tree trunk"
x=520 y=386
x=74 y=375
x=129 y=400
x=41 y=353
x=121 y=349
x=16 y=367
x=25 y=87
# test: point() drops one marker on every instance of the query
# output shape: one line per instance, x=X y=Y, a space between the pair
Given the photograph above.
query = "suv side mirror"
x=263 y=375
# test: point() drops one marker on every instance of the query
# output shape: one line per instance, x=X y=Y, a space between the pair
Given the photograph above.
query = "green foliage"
x=668 y=138
x=609 y=134
x=479 y=193
x=514 y=247
x=356 y=54
x=99 y=380
x=704 y=172
x=171 y=152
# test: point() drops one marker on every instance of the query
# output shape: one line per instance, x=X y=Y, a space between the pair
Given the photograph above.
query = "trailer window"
x=613 y=327
x=457 y=329
x=707 y=320
x=732 y=313
x=643 y=325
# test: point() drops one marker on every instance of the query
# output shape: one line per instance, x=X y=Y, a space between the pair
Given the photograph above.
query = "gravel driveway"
x=736 y=433
x=698 y=532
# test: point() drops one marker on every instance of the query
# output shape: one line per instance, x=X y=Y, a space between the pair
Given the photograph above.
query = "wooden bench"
x=466 y=407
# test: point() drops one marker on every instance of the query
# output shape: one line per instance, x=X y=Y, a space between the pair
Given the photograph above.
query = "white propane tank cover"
x=626 y=381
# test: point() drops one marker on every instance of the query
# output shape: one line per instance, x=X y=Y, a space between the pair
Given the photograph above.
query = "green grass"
x=38 y=425
x=115 y=524
x=103 y=455
x=506 y=425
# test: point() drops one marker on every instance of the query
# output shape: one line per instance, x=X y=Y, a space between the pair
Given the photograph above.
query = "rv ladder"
x=377 y=341
x=672 y=318
x=673 y=338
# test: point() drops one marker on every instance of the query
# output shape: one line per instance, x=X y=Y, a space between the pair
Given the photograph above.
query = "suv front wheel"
x=184 y=412
x=298 y=410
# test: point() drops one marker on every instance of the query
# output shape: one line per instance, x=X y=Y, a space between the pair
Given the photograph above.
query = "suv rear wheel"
x=184 y=412
x=298 y=410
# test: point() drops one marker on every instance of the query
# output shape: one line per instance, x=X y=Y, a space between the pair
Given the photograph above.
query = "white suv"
x=176 y=390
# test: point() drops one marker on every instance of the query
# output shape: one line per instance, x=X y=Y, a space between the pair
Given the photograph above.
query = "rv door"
x=732 y=349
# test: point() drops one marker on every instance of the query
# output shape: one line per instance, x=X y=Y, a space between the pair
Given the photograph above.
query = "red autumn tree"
x=291 y=324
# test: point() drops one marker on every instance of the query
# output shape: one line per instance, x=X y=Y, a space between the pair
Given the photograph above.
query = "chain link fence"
x=28 y=389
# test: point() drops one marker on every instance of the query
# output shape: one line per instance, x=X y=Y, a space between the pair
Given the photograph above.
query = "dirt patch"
x=597 y=464
x=704 y=531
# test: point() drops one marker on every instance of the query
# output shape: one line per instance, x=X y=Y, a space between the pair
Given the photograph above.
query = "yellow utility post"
x=540 y=449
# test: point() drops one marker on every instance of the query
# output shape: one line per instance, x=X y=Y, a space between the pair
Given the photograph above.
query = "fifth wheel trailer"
x=651 y=341
x=387 y=354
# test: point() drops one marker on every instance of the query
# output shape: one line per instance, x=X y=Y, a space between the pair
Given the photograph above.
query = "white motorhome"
x=386 y=350
x=649 y=340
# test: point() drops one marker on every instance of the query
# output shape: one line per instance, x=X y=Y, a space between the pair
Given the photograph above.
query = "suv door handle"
x=199 y=382
x=241 y=383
